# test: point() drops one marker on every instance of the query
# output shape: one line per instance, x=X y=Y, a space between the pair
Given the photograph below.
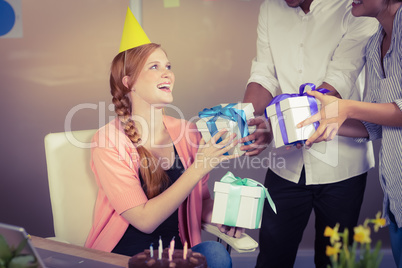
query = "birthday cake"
x=191 y=260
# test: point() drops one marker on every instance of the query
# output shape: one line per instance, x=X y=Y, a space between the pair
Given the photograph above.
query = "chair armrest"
x=242 y=244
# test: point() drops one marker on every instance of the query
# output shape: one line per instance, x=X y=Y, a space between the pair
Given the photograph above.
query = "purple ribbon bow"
x=312 y=102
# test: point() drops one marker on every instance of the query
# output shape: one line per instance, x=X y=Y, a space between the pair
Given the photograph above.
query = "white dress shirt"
x=325 y=45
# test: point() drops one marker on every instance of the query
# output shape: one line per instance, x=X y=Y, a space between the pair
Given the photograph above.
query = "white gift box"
x=230 y=125
x=249 y=210
x=294 y=110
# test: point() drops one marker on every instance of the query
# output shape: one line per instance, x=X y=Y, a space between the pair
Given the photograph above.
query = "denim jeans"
x=396 y=240
x=215 y=253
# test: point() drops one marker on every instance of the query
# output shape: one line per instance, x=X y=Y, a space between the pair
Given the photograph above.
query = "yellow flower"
x=378 y=222
x=362 y=234
x=332 y=233
x=333 y=251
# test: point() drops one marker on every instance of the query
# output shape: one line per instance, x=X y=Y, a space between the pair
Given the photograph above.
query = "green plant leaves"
x=23 y=261
x=5 y=251
x=11 y=258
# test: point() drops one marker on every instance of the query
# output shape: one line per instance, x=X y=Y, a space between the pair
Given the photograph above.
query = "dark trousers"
x=281 y=233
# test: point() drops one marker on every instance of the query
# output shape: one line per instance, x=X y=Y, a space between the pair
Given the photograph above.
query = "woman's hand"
x=230 y=231
x=262 y=136
x=210 y=154
x=332 y=115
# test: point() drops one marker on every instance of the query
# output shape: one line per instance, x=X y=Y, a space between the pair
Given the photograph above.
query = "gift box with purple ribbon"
x=232 y=116
x=285 y=111
x=239 y=202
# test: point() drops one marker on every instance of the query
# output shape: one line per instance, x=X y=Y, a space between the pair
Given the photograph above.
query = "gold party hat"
x=133 y=34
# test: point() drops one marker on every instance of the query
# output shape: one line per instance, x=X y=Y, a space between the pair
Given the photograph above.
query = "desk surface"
x=79 y=251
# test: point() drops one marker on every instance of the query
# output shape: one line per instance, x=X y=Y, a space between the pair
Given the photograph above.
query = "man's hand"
x=261 y=137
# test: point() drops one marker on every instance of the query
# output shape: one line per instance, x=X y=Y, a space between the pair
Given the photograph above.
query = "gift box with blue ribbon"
x=285 y=111
x=232 y=116
x=239 y=202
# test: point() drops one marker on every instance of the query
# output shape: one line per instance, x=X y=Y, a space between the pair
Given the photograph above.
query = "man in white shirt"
x=319 y=42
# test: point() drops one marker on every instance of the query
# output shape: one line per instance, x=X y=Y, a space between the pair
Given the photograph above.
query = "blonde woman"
x=151 y=169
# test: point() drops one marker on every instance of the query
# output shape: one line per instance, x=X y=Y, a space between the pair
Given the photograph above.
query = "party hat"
x=133 y=34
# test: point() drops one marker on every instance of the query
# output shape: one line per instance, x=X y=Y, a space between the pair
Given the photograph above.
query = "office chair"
x=73 y=190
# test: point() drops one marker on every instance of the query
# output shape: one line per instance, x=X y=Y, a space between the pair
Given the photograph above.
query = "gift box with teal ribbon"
x=239 y=202
x=232 y=116
x=285 y=111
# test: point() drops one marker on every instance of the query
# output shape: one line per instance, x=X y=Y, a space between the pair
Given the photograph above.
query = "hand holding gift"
x=239 y=202
x=331 y=118
x=261 y=137
x=286 y=110
x=232 y=116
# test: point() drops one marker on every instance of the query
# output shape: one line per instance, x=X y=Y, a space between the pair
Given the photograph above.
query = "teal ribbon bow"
x=227 y=112
x=235 y=196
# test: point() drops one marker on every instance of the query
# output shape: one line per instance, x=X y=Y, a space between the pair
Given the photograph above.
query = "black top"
x=134 y=241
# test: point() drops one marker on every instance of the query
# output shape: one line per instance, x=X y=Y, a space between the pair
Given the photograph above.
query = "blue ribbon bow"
x=235 y=196
x=312 y=102
x=227 y=112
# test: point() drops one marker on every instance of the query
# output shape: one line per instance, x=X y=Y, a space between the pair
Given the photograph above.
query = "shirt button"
x=301 y=45
x=300 y=71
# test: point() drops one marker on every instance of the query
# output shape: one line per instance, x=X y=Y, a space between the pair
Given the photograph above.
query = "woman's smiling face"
x=368 y=8
x=155 y=82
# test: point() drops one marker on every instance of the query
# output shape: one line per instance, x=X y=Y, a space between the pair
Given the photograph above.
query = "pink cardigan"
x=115 y=165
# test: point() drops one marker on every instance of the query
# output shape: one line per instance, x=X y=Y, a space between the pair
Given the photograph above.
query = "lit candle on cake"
x=185 y=251
x=171 y=249
x=160 y=249
x=151 y=250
